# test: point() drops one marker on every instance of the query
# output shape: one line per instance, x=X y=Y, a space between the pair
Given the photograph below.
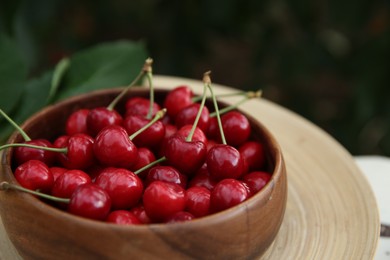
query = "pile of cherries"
x=154 y=163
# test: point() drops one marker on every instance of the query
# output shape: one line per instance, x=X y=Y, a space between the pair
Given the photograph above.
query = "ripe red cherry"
x=256 y=180
x=226 y=194
x=163 y=199
x=198 y=133
x=140 y=213
x=186 y=156
x=122 y=217
x=24 y=154
x=100 y=117
x=198 y=201
x=79 y=154
x=77 y=122
x=57 y=171
x=68 y=182
x=236 y=128
x=187 y=116
x=254 y=155
x=224 y=161
x=140 y=106
x=145 y=157
x=202 y=179
x=34 y=175
x=180 y=216
x=123 y=186
x=167 y=174
x=90 y=201
x=177 y=99
x=113 y=147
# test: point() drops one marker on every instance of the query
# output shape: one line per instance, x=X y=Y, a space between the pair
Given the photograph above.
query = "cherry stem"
x=249 y=95
x=150 y=165
x=191 y=134
x=160 y=114
x=239 y=93
x=52 y=149
x=8 y=186
x=149 y=76
x=207 y=82
x=143 y=71
x=12 y=122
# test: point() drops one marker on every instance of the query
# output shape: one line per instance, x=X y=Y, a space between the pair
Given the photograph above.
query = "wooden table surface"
x=331 y=210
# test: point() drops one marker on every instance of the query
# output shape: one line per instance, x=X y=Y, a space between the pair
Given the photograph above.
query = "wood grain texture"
x=331 y=211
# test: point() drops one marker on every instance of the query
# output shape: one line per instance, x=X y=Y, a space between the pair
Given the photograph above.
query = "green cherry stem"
x=191 y=134
x=143 y=71
x=18 y=128
x=8 y=186
x=160 y=114
x=52 y=149
x=150 y=165
x=207 y=82
x=248 y=95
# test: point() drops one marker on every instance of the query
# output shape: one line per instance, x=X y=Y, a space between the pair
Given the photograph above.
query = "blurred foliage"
x=326 y=60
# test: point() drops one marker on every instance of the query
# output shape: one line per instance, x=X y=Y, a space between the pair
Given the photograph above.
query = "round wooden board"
x=331 y=210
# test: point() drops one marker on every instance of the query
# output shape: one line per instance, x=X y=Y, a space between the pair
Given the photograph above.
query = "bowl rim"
x=277 y=157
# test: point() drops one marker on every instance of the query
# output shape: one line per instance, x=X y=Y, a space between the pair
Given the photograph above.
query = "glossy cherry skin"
x=57 y=171
x=24 y=154
x=123 y=186
x=140 y=106
x=150 y=137
x=198 y=201
x=254 y=155
x=163 y=199
x=122 y=217
x=187 y=116
x=236 y=127
x=68 y=182
x=167 y=174
x=177 y=99
x=77 y=122
x=202 y=178
x=34 y=175
x=100 y=117
x=140 y=213
x=186 y=156
x=145 y=157
x=256 y=181
x=213 y=131
x=197 y=136
x=113 y=147
x=226 y=194
x=90 y=201
x=80 y=153
x=180 y=216
x=224 y=161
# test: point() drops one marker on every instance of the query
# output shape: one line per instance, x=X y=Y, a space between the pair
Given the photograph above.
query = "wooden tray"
x=331 y=210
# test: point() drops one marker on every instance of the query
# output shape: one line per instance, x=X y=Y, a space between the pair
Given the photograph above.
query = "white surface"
x=377 y=171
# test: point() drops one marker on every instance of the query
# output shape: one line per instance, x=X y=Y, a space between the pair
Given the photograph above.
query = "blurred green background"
x=326 y=60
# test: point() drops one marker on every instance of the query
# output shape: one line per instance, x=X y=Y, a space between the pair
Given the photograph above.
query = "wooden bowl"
x=40 y=231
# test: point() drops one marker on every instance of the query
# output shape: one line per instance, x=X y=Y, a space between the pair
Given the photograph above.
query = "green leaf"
x=104 y=66
x=13 y=74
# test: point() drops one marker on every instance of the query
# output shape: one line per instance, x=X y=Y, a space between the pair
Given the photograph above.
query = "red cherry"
x=167 y=174
x=123 y=186
x=198 y=201
x=24 y=154
x=186 y=156
x=224 y=161
x=140 y=213
x=34 y=175
x=198 y=133
x=226 y=194
x=122 y=217
x=254 y=154
x=90 y=201
x=163 y=199
x=212 y=131
x=113 y=147
x=77 y=122
x=187 y=116
x=140 y=106
x=100 y=117
x=68 y=182
x=79 y=154
x=180 y=216
x=256 y=180
x=145 y=157
x=57 y=171
x=202 y=179
x=150 y=137
x=177 y=99
x=236 y=127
